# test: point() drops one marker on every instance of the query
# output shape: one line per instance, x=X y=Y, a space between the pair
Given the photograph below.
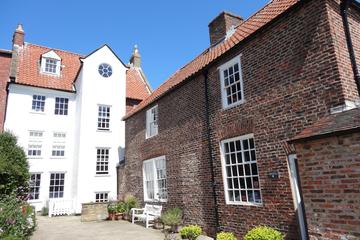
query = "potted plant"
x=111 y=211
x=129 y=202
x=190 y=232
x=173 y=218
x=120 y=210
x=158 y=224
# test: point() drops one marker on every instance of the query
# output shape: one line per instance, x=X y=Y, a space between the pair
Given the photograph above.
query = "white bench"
x=147 y=214
x=61 y=206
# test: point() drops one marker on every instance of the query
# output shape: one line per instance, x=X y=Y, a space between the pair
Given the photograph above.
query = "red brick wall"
x=341 y=50
x=5 y=60
x=291 y=79
x=330 y=177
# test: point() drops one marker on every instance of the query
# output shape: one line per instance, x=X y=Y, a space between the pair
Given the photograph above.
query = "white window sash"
x=150 y=174
x=152 y=122
x=221 y=69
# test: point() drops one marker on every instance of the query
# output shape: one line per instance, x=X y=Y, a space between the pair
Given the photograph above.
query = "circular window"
x=105 y=70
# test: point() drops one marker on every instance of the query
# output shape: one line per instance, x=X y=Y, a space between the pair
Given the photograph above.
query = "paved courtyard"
x=70 y=227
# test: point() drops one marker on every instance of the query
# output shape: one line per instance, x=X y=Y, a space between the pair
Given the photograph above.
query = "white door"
x=298 y=204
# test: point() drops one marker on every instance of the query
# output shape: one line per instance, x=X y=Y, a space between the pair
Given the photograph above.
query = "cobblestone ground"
x=70 y=227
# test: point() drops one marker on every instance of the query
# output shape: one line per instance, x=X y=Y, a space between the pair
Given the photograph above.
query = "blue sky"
x=169 y=33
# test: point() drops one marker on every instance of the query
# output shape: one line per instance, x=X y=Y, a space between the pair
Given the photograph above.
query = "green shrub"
x=17 y=218
x=44 y=211
x=111 y=207
x=263 y=233
x=14 y=168
x=172 y=217
x=190 y=232
x=225 y=236
x=120 y=207
x=130 y=202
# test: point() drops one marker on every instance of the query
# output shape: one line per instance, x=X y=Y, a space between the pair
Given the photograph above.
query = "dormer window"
x=50 y=63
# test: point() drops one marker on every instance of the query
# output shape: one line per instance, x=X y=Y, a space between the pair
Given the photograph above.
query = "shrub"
x=111 y=207
x=263 y=233
x=14 y=168
x=120 y=207
x=190 y=232
x=225 y=236
x=130 y=202
x=172 y=217
x=17 y=218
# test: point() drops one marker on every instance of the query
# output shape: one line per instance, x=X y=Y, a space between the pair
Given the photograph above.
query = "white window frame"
x=61 y=108
x=155 y=179
x=101 y=197
x=36 y=103
x=222 y=68
x=35 y=143
x=103 y=119
x=59 y=144
x=33 y=188
x=102 y=161
x=59 y=185
x=51 y=56
x=152 y=122
x=224 y=165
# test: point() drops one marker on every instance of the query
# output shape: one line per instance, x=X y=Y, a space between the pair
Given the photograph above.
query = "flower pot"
x=158 y=225
x=111 y=216
x=118 y=216
x=174 y=228
x=126 y=216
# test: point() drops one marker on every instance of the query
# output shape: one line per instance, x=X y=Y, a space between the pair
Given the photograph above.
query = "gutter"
x=344 y=7
x=211 y=159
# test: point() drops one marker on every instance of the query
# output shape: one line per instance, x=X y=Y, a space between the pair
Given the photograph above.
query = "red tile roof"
x=244 y=30
x=28 y=71
x=136 y=85
x=334 y=123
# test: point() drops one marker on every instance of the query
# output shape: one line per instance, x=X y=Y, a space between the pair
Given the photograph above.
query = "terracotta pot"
x=126 y=216
x=111 y=216
x=118 y=216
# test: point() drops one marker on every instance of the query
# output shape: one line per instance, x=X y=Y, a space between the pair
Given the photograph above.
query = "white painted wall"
x=81 y=181
x=20 y=119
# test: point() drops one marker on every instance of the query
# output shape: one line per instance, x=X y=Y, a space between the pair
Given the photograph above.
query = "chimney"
x=221 y=25
x=135 y=59
x=18 y=37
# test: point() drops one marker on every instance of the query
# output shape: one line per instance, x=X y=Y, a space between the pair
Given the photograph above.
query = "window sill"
x=103 y=131
x=245 y=204
x=35 y=112
x=155 y=201
x=32 y=157
x=57 y=157
x=102 y=175
x=224 y=108
x=148 y=137
x=35 y=201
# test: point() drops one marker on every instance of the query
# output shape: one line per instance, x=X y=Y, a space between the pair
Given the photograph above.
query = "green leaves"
x=14 y=168
x=263 y=233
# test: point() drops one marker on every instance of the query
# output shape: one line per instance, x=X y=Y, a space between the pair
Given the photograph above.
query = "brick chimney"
x=221 y=25
x=18 y=43
x=18 y=37
x=135 y=59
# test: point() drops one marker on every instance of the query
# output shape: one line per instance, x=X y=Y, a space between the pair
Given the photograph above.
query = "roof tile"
x=256 y=21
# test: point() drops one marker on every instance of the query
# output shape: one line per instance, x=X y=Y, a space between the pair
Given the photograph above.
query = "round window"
x=105 y=70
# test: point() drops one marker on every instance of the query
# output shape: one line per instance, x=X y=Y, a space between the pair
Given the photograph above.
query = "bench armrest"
x=137 y=210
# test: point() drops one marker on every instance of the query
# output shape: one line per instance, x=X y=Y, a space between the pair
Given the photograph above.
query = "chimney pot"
x=135 y=59
x=18 y=37
x=221 y=24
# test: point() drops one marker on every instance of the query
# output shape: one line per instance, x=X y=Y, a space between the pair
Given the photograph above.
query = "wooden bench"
x=147 y=214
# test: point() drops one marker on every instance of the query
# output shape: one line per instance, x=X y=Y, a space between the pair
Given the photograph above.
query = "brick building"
x=5 y=60
x=213 y=138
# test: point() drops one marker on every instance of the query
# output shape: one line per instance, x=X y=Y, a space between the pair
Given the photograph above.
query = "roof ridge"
x=212 y=53
x=56 y=49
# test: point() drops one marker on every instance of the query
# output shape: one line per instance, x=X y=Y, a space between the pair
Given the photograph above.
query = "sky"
x=169 y=33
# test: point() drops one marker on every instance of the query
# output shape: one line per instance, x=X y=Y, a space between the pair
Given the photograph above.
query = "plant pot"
x=158 y=225
x=174 y=228
x=111 y=216
x=126 y=216
x=118 y=216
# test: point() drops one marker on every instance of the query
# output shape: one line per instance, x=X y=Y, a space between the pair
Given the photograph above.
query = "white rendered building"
x=66 y=110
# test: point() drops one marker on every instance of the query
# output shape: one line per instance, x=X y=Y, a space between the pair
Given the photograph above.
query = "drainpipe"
x=344 y=6
x=208 y=130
